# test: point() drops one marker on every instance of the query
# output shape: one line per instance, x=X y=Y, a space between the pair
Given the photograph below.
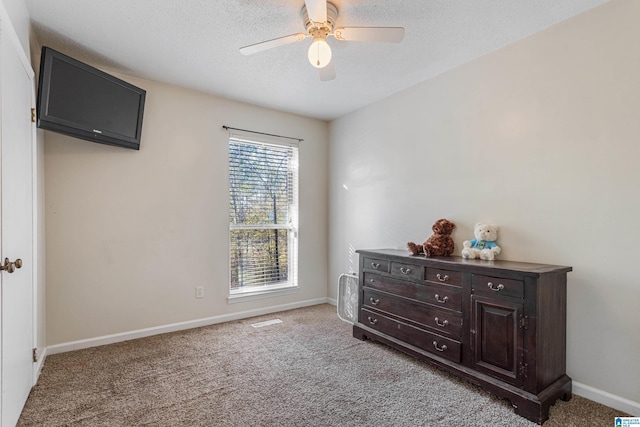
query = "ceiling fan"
x=319 y=18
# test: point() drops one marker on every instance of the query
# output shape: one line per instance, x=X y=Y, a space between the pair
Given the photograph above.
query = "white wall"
x=130 y=234
x=542 y=138
x=19 y=17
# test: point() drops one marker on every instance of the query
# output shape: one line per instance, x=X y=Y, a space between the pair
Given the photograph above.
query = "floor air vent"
x=266 y=323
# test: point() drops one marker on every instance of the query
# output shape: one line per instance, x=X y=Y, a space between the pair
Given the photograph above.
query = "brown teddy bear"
x=439 y=244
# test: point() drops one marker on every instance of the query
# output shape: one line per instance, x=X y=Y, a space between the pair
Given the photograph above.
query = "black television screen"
x=78 y=100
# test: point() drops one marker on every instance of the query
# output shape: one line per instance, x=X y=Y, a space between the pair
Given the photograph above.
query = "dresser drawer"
x=431 y=342
x=497 y=286
x=406 y=271
x=444 y=276
x=442 y=296
x=373 y=264
x=413 y=311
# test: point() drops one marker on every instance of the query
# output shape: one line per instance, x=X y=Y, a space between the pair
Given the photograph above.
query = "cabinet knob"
x=372 y=320
x=441 y=300
x=441 y=278
x=443 y=348
x=405 y=270
x=374 y=301
x=495 y=288
x=375 y=265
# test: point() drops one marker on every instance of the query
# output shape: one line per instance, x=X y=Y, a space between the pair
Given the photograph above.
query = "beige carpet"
x=306 y=371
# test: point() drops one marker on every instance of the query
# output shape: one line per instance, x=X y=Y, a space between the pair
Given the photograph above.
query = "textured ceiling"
x=194 y=44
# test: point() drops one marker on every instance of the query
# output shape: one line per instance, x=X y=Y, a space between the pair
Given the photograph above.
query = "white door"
x=16 y=228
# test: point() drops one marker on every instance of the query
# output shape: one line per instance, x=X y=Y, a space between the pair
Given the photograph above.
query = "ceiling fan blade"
x=370 y=34
x=317 y=10
x=327 y=73
x=269 y=44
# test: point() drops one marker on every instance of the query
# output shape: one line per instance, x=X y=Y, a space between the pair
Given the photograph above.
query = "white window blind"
x=263 y=213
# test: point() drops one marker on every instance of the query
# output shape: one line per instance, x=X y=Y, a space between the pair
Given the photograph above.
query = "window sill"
x=260 y=294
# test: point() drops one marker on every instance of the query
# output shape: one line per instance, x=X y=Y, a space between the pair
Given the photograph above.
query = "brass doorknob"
x=9 y=266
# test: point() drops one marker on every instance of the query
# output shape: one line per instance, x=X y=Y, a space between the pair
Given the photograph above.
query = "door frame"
x=35 y=220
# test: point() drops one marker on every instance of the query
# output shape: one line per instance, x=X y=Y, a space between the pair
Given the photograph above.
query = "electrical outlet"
x=199 y=291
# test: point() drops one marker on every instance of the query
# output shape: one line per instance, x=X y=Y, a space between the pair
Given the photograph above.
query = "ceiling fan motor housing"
x=327 y=26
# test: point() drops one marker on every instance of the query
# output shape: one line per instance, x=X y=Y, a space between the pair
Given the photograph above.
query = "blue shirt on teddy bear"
x=482 y=244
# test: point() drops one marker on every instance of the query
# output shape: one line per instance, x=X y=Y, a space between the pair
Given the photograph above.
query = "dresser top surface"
x=459 y=263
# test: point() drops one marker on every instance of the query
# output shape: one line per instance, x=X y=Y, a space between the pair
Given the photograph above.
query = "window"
x=263 y=213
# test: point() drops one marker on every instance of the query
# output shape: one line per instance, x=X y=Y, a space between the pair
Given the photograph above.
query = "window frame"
x=290 y=224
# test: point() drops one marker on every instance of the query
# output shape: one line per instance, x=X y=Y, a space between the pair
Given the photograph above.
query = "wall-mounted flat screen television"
x=81 y=101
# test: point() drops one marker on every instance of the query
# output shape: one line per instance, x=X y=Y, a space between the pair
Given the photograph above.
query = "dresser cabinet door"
x=496 y=338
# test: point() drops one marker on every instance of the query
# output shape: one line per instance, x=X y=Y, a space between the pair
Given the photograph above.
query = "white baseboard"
x=605 y=398
x=141 y=333
x=332 y=301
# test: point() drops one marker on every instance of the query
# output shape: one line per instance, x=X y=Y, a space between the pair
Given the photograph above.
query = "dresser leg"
x=359 y=333
x=538 y=410
x=534 y=411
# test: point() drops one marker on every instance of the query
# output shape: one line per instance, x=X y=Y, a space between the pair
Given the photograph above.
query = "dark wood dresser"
x=498 y=324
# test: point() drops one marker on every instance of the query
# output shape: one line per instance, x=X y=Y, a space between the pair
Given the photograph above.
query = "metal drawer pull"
x=443 y=323
x=443 y=348
x=495 y=288
x=374 y=301
x=442 y=279
x=372 y=321
x=375 y=265
x=441 y=301
x=405 y=270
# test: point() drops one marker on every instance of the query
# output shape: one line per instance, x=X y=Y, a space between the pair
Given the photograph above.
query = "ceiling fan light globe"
x=319 y=53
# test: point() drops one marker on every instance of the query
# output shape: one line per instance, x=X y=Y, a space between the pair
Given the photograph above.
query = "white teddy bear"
x=484 y=245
